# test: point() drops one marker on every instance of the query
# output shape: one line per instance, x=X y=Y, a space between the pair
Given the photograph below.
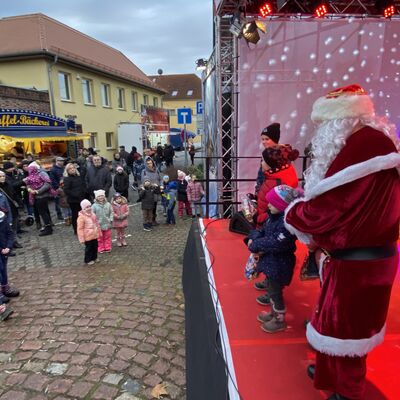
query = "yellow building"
x=87 y=80
x=183 y=91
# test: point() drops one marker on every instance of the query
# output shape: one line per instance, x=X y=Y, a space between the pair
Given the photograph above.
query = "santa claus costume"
x=351 y=209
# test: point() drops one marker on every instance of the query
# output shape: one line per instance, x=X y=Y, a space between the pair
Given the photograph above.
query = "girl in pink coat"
x=89 y=231
x=120 y=221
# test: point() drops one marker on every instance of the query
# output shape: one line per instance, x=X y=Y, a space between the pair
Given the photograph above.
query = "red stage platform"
x=273 y=366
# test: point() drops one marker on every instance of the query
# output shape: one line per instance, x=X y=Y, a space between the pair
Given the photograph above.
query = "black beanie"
x=273 y=131
x=8 y=165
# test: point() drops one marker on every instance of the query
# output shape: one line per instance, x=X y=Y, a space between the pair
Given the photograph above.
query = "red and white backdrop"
x=296 y=62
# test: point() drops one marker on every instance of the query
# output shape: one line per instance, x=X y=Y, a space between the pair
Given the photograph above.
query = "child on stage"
x=274 y=247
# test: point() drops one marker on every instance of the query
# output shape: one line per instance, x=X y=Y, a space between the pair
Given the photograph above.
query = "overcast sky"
x=166 y=34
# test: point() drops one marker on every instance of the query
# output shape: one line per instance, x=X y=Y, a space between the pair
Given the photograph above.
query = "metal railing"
x=228 y=198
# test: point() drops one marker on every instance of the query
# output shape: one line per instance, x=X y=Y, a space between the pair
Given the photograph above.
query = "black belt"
x=363 y=253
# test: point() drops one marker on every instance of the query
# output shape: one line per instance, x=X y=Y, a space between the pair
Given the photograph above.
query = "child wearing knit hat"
x=88 y=230
x=104 y=213
x=274 y=247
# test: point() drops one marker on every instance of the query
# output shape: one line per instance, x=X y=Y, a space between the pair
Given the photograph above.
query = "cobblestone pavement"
x=109 y=331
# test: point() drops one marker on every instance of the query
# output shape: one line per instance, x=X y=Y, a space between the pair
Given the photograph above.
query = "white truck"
x=131 y=134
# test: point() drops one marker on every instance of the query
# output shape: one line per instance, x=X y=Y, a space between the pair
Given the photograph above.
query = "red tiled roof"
x=38 y=33
x=181 y=84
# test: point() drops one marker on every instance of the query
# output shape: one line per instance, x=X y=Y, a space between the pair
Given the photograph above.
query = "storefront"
x=42 y=135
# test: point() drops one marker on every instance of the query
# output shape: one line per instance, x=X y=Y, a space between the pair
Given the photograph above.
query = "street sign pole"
x=185 y=144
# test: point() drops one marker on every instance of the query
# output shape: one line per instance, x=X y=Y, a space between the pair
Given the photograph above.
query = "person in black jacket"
x=98 y=176
x=6 y=243
x=121 y=182
x=75 y=190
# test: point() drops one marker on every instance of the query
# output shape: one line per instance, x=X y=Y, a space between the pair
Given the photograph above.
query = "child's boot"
x=9 y=291
x=276 y=324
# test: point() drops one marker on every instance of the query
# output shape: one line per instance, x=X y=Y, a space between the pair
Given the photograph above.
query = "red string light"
x=321 y=10
x=266 y=9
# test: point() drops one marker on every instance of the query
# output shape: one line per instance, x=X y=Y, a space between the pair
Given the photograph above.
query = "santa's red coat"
x=356 y=205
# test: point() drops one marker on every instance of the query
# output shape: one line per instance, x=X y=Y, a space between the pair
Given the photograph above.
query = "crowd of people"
x=348 y=216
x=80 y=190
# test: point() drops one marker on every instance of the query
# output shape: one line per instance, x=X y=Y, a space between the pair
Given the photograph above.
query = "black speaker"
x=239 y=224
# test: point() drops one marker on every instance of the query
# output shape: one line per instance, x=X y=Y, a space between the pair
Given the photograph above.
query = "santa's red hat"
x=346 y=102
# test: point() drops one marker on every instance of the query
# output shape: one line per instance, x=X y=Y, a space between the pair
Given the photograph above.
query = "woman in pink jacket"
x=88 y=232
x=120 y=221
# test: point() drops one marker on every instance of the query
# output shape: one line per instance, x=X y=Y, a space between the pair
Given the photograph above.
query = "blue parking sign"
x=199 y=107
x=184 y=115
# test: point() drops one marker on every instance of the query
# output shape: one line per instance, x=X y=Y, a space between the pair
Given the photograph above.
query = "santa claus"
x=350 y=212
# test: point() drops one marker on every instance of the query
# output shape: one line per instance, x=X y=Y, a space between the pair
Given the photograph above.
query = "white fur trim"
x=343 y=347
x=305 y=238
x=354 y=172
x=350 y=106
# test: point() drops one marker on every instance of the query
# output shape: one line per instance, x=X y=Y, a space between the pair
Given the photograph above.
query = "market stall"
x=42 y=135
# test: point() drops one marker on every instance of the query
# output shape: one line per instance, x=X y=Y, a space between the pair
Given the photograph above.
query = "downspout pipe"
x=49 y=69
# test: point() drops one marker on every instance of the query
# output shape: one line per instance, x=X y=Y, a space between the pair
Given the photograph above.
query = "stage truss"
x=225 y=61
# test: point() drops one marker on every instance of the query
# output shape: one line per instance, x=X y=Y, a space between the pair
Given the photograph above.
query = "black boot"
x=48 y=230
x=38 y=226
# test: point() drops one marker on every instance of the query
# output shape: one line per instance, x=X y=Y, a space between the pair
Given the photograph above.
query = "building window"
x=121 y=98
x=93 y=140
x=155 y=101
x=105 y=95
x=110 y=140
x=172 y=113
x=189 y=92
x=134 y=101
x=87 y=91
x=64 y=85
x=145 y=99
x=174 y=93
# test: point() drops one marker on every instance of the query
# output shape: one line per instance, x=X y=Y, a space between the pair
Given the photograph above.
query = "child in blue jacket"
x=274 y=246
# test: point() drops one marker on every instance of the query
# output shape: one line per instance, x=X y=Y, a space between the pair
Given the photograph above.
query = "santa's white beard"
x=330 y=138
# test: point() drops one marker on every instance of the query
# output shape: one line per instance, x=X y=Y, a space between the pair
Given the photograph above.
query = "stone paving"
x=109 y=331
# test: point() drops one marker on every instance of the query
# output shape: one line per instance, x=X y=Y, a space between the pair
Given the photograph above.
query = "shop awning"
x=23 y=125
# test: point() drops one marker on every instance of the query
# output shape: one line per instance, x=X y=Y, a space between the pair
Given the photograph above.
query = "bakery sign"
x=22 y=120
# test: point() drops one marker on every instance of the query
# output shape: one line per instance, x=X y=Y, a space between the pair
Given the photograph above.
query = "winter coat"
x=147 y=196
x=182 y=186
x=56 y=174
x=194 y=191
x=120 y=213
x=152 y=176
x=74 y=188
x=169 y=152
x=278 y=246
x=63 y=198
x=88 y=227
x=286 y=176
x=6 y=235
x=121 y=182
x=118 y=163
x=98 y=178
x=104 y=214
x=5 y=207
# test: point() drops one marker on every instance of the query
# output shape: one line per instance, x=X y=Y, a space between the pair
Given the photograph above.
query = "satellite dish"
x=159 y=71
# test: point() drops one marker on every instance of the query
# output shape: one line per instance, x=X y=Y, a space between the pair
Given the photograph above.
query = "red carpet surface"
x=273 y=366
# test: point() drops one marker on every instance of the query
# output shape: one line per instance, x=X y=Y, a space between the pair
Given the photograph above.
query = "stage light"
x=266 y=9
x=386 y=7
x=237 y=25
x=389 y=11
x=321 y=10
x=250 y=31
x=201 y=64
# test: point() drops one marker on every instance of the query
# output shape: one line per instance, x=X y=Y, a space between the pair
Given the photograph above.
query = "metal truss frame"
x=226 y=67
